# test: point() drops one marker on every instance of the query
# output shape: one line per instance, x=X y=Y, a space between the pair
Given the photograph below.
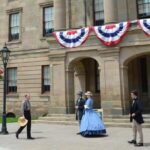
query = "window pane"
x=143 y=8
x=97 y=16
x=48 y=21
x=14 y=26
x=46 y=78
x=98 y=12
x=12 y=80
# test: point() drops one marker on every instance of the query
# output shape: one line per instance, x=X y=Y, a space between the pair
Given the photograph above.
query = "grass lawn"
x=9 y=120
x=15 y=119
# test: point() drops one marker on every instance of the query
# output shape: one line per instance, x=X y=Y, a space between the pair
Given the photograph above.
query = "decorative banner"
x=72 y=38
x=145 y=26
x=1 y=73
x=111 y=34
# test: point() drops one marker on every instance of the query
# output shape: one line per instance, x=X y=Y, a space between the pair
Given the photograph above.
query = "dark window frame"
x=45 y=88
x=97 y=75
x=44 y=22
x=11 y=36
x=11 y=89
x=142 y=16
x=97 y=22
x=144 y=78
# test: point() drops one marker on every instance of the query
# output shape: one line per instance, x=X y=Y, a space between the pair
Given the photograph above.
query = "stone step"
x=61 y=115
x=69 y=119
x=72 y=118
x=127 y=125
x=122 y=120
x=56 y=122
x=107 y=124
x=105 y=116
x=58 y=118
x=146 y=116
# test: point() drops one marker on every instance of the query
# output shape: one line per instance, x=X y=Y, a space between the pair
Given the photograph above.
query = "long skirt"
x=91 y=124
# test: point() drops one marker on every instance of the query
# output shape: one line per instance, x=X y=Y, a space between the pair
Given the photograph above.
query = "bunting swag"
x=72 y=38
x=145 y=26
x=111 y=34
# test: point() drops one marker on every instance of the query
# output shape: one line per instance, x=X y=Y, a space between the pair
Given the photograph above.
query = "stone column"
x=68 y=14
x=124 y=88
x=59 y=14
x=70 y=90
x=110 y=86
x=132 y=10
x=58 y=87
x=77 y=13
x=123 y=10
x=110 y=11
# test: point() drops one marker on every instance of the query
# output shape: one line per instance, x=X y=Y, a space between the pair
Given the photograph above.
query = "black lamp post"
x=5 y=56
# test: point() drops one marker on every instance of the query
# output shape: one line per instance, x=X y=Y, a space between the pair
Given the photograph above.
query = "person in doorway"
x=136 y=118
x=79 y=106
x=26 y=110
x=91 y=123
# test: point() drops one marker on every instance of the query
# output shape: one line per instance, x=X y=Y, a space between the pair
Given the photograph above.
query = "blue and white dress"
x=91 y=124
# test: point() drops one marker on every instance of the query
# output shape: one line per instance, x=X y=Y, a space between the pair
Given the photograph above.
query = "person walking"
x=136 y=118
x=79 y=106
x=26 y=110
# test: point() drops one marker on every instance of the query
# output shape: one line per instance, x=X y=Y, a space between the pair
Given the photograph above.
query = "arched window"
x=143 y=8
x=98 y=12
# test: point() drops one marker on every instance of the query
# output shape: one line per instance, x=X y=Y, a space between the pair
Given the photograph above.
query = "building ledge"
x=16 y=95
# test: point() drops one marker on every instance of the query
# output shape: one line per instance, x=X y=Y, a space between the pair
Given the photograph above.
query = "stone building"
x=52 y=74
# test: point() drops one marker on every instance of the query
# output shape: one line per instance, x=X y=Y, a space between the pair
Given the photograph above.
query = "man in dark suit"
x=79 y=106
x=26 y=110
x=136 y=118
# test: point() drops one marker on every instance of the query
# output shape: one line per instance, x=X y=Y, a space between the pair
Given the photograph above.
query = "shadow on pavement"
x=147 y=144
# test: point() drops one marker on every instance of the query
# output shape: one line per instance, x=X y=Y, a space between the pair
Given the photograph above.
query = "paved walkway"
x=61 y=137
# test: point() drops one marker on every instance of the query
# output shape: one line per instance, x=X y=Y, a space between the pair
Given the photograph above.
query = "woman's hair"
x=26 y=95
x=134 y=92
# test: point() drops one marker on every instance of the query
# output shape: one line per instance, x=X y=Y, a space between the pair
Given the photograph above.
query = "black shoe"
x=78 y=133
x=30 y=138
x=132 y=142
x=139 y=144
x=17 y=135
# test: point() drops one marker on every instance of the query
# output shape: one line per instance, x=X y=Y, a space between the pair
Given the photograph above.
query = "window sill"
x=46 y=94
x=46 y=37
x=14 y=42
x=12 y=95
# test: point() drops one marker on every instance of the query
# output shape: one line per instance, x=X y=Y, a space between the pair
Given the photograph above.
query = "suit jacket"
x=80 y=103
x=136 y=108
x=80 y=111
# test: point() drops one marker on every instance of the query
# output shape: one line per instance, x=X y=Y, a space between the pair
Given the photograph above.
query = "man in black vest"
x=79 y=106
x=26 y=110
x=136 y=118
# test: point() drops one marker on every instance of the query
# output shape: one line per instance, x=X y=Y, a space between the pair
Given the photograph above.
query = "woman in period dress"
x=91 y=124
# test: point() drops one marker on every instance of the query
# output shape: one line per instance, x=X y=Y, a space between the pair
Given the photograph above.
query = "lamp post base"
x=4 y=124
x=4 y=132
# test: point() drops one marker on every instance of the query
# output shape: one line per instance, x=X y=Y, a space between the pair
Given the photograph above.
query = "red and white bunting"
x=72 y=38
x=111 y=34
x=145 y=26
